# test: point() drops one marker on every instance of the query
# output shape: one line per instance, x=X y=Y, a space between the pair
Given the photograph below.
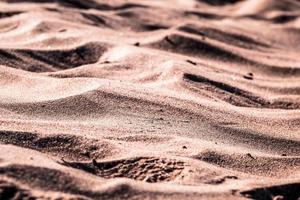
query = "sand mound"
x=118 y=99
x=51 y=60
x=258 y=7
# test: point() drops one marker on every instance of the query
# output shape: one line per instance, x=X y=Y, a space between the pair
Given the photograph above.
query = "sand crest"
x=124 y=99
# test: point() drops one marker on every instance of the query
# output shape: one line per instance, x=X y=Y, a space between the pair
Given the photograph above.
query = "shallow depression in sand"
x=126 y=99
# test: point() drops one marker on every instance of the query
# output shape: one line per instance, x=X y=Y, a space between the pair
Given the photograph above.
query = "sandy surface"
x=149 y=99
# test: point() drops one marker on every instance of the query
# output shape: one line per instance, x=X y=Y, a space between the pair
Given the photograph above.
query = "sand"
x=127 y=99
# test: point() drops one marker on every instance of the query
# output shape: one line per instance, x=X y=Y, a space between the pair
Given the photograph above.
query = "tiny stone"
x=248 y=154
x=249 y=76
x=191 y=62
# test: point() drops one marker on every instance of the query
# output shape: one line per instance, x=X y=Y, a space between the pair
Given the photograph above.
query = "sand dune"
x=191 y=99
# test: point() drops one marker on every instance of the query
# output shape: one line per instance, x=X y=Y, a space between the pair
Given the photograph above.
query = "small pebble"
x=248 y=154
x=191 y=62
x=249 y=76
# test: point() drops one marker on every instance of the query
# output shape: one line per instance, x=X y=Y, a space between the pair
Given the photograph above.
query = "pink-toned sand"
x=149 y=99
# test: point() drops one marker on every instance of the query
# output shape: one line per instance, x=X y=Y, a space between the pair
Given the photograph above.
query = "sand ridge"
x=127 y=99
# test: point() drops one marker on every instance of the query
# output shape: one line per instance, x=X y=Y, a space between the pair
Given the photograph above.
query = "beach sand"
x=149 y=99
